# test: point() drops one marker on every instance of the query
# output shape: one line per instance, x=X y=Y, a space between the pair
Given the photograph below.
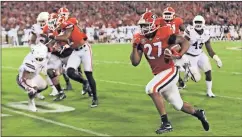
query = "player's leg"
x=192 y=70
x=204 y=64
x=172 y=95
x=73 y=63
x=156 y=84
x=87 y=66
x=53 y=72
x=54 y=90
x=66 y=78
x=182 y=64
x=31 y=95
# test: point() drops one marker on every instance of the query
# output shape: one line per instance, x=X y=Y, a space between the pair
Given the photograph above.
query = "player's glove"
x=31 y=90
x=217 y=59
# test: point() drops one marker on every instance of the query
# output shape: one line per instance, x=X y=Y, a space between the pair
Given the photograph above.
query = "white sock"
x=209 y=86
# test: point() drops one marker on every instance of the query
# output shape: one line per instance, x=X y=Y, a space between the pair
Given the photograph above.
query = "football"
x=175 y=48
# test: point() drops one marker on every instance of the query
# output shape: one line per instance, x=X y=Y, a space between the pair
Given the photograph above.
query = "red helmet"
x=52 y=20
x=64 y=12
x=148 y=23
x=168 y=13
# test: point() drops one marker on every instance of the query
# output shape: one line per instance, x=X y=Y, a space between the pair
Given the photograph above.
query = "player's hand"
x=31 y=90
x=218 y=61
x=135 y=42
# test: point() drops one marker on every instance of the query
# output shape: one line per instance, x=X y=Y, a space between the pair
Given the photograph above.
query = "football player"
x=152 y=41
x=82 y=53
x=198 y=35
x=59 y=55
x=29 y=77
x=177 y=26
x=64 y=12
x=36 y=37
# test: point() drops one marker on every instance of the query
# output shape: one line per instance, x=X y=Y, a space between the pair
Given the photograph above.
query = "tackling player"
x=64 y=12
x=198 y=35
x=82 y=53
x=152 y=41
x=177 y=26
x=29 y=77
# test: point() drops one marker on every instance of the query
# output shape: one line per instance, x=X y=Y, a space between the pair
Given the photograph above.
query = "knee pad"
x=51 y=73
x=208 y=75
x=194 y=73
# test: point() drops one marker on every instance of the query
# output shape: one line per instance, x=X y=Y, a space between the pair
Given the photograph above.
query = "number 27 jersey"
x=196 y=41
x=154 y=49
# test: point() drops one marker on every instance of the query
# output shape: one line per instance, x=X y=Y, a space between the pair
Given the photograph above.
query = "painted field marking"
x=56 y=123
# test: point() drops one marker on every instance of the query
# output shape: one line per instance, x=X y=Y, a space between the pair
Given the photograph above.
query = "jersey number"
x=158 y=44
x=197 y=45
x=173 y=27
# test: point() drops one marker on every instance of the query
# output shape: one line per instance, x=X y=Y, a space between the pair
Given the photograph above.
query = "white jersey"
x=37 y=30
x=196 y=41
x=31 y=66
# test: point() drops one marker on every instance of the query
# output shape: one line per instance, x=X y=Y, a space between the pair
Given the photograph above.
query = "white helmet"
x=42 y=18
x=39 y=52
x=199 y=22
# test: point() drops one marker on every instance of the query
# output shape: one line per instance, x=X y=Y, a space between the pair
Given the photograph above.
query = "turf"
x=125 y=109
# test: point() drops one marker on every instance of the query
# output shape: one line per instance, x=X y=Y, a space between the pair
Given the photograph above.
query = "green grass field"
x=124 y=108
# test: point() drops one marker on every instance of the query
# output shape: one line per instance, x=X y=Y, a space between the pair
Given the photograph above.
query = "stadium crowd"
x=21 y=15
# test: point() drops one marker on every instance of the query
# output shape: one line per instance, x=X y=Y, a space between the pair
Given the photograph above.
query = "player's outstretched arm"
x=64 y=36
x=212 y=53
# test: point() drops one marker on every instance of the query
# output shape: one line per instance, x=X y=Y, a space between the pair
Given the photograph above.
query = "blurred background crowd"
x=18 y=16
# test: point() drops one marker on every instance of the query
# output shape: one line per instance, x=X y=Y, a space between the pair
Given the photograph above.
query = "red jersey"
x=154 y=49
x=173 y=24
x=75 y=22
x=76 y=35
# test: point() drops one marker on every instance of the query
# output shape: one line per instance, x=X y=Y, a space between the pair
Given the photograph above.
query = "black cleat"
x=166 y=127
x=87 y=89
x=68 y=87
x=60 y=97
x=94 y=103
x=203 y=119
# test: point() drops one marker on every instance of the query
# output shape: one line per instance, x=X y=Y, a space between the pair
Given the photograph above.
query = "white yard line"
x=139 y=85
x=5 y=115
x=56 y=123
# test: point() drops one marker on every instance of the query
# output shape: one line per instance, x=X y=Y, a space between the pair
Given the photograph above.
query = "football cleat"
x=32 y=106
x=39 y=96
x=165 y=127
x=203 y=119
x=94 y=103
x=60 y=97
x=86 y=89
x=210 y=94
